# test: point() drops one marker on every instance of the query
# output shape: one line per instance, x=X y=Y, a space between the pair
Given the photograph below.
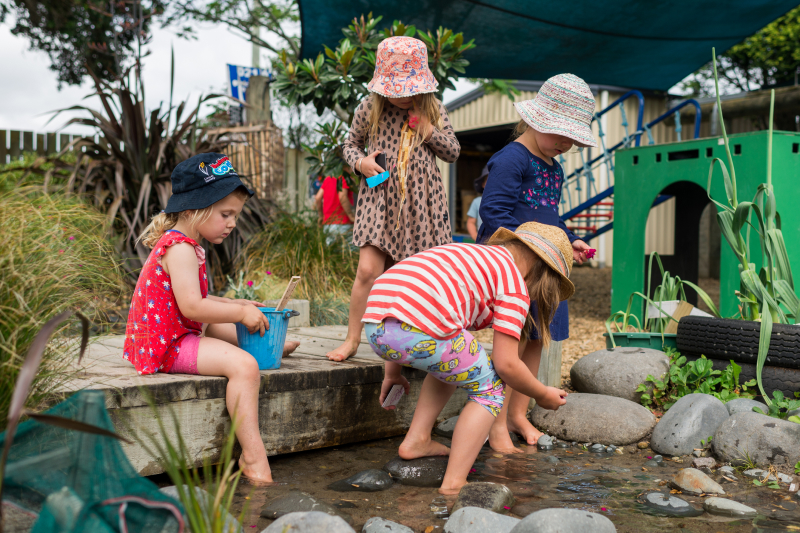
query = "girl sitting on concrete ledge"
x=418 y=314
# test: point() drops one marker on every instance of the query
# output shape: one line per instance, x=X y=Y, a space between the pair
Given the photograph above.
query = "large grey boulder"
x=309 y=522
x=618 y=372
x=765 y=440
x=692 y=419
x=376 y=524
x=422 y=472
x=231 y=523
x=477 y=520
x=492 y=496
x=564 y=521
x=446 y=428
x=744 y=405
x=595 y=418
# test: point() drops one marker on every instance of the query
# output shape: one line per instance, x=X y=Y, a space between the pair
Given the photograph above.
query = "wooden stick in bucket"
x=288 y=293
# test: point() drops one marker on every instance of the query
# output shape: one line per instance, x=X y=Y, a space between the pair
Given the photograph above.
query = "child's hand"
x=419 y=122
x=369 y=167
x=254 y=320
x=388 y=383
x=552 y=399
x=242 y=301
x=579 y=249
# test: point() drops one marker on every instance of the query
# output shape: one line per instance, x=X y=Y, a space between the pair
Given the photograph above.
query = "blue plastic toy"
x=268 y=350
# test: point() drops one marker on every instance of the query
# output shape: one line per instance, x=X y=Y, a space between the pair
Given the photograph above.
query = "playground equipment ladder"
x=597 y=207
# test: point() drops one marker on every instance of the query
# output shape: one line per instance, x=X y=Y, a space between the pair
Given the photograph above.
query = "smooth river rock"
x=564 y=521
x=231 y=523
x=492 y=496
x=661 y=503
x=618 y=372
x=725 y=507
x=376 y=524
x=744 y=405
x=301 y=502
x=692 y=481
x=477 y=520
x=366 y=481
x=764 y=439
x=309 y=522
x=692 y=419
x=422 y=472
x=595 y=418
x=446 y=428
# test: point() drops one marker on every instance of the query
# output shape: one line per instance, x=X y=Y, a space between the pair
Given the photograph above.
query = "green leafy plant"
x=209 y=511
x=767 y=294
x=769 y=484
x=245 y=290
x=780 y=406
x=325 y=157
x=693 y=377
x=797 y=467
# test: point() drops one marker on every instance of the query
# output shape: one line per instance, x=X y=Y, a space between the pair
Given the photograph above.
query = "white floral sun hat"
x=563 y=106
x=401 y=68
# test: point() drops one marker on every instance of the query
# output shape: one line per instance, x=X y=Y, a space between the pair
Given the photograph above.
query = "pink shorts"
x=186 y=362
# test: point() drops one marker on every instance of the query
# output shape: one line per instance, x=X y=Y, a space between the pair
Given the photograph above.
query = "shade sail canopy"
x=647 y=44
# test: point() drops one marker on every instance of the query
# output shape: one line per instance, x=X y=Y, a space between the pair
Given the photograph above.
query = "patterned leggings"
x=461 y=361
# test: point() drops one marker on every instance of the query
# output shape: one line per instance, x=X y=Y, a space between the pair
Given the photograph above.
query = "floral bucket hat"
x=401 y=69
x=563 y=106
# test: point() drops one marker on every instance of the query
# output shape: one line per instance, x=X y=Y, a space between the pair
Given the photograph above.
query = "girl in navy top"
x=524 y=185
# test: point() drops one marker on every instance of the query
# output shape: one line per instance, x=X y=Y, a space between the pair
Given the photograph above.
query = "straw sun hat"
x=552 y=246
x=401 y=69
x=563 y=106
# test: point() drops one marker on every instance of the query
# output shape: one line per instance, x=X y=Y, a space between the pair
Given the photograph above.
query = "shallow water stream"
x=602 y=483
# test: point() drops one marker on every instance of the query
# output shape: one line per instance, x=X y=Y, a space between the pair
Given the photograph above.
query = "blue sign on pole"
x=240 y=79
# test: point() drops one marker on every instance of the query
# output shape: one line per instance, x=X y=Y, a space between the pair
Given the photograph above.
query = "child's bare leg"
x=499 y=439
x=432 y=399
x=471 y=429
x=518 y=403
x=216 y=357
x=371 y=264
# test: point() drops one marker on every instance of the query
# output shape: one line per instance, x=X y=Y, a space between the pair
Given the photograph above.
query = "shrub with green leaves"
x=780 y=406
x=693 y=377
x=53 y=258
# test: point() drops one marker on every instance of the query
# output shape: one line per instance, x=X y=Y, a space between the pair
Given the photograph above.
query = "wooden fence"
x=13 y=143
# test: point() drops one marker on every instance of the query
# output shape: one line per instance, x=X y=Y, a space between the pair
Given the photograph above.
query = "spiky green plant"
x=762 y=291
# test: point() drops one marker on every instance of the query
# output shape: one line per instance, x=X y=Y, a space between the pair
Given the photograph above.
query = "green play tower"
x=681 y=169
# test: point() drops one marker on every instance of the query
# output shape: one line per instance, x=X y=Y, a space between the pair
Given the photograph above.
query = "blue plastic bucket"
x=268 y=350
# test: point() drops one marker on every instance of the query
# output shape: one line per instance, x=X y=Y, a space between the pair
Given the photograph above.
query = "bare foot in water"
x=258 y=473
x=525 y=429
x=289 y=347
x=500 y=441
x=346 y=350
x=422 y=448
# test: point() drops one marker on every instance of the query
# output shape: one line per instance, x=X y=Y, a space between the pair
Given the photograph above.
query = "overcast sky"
x=28 y=91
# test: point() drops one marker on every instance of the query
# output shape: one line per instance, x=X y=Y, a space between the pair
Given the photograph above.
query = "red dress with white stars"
x=155 y=324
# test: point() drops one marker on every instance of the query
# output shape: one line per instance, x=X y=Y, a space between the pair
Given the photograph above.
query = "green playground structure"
x=646 y=175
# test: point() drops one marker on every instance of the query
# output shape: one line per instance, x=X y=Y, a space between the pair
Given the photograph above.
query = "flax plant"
x=766 y=295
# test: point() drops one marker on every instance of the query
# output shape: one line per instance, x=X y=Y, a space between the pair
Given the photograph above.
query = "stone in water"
x=725 y=507
x=668 y=504
x=693 y=481
x=366 y=481
x=422 y=472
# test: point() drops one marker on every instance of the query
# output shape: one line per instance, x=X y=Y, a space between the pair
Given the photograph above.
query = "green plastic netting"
x=82 y=483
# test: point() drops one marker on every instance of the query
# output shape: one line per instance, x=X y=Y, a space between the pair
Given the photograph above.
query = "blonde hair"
x=428 y=106
x=519 y=129
x=544 y=288
x=162 y=222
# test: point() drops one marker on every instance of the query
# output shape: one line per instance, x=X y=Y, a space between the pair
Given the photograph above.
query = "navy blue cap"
x=201 y=181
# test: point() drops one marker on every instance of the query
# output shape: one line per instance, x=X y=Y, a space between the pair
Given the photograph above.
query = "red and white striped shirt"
x=450 y=288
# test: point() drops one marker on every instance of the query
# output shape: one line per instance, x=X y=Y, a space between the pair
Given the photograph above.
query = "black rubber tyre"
x=718 y=338
x=786 y=380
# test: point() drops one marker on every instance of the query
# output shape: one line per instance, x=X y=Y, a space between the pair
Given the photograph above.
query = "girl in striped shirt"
x=418 y=314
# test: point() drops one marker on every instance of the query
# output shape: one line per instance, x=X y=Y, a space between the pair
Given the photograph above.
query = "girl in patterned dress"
x=524 y=185
x=174 y=325
x=404 y=211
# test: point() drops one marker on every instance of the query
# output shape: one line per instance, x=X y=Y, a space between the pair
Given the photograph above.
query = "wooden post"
x=3 y=150
x=13 y=150
x=549 y=367
x=258 y=99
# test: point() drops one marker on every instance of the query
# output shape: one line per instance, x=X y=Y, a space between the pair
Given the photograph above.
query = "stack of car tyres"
x=722 y=340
